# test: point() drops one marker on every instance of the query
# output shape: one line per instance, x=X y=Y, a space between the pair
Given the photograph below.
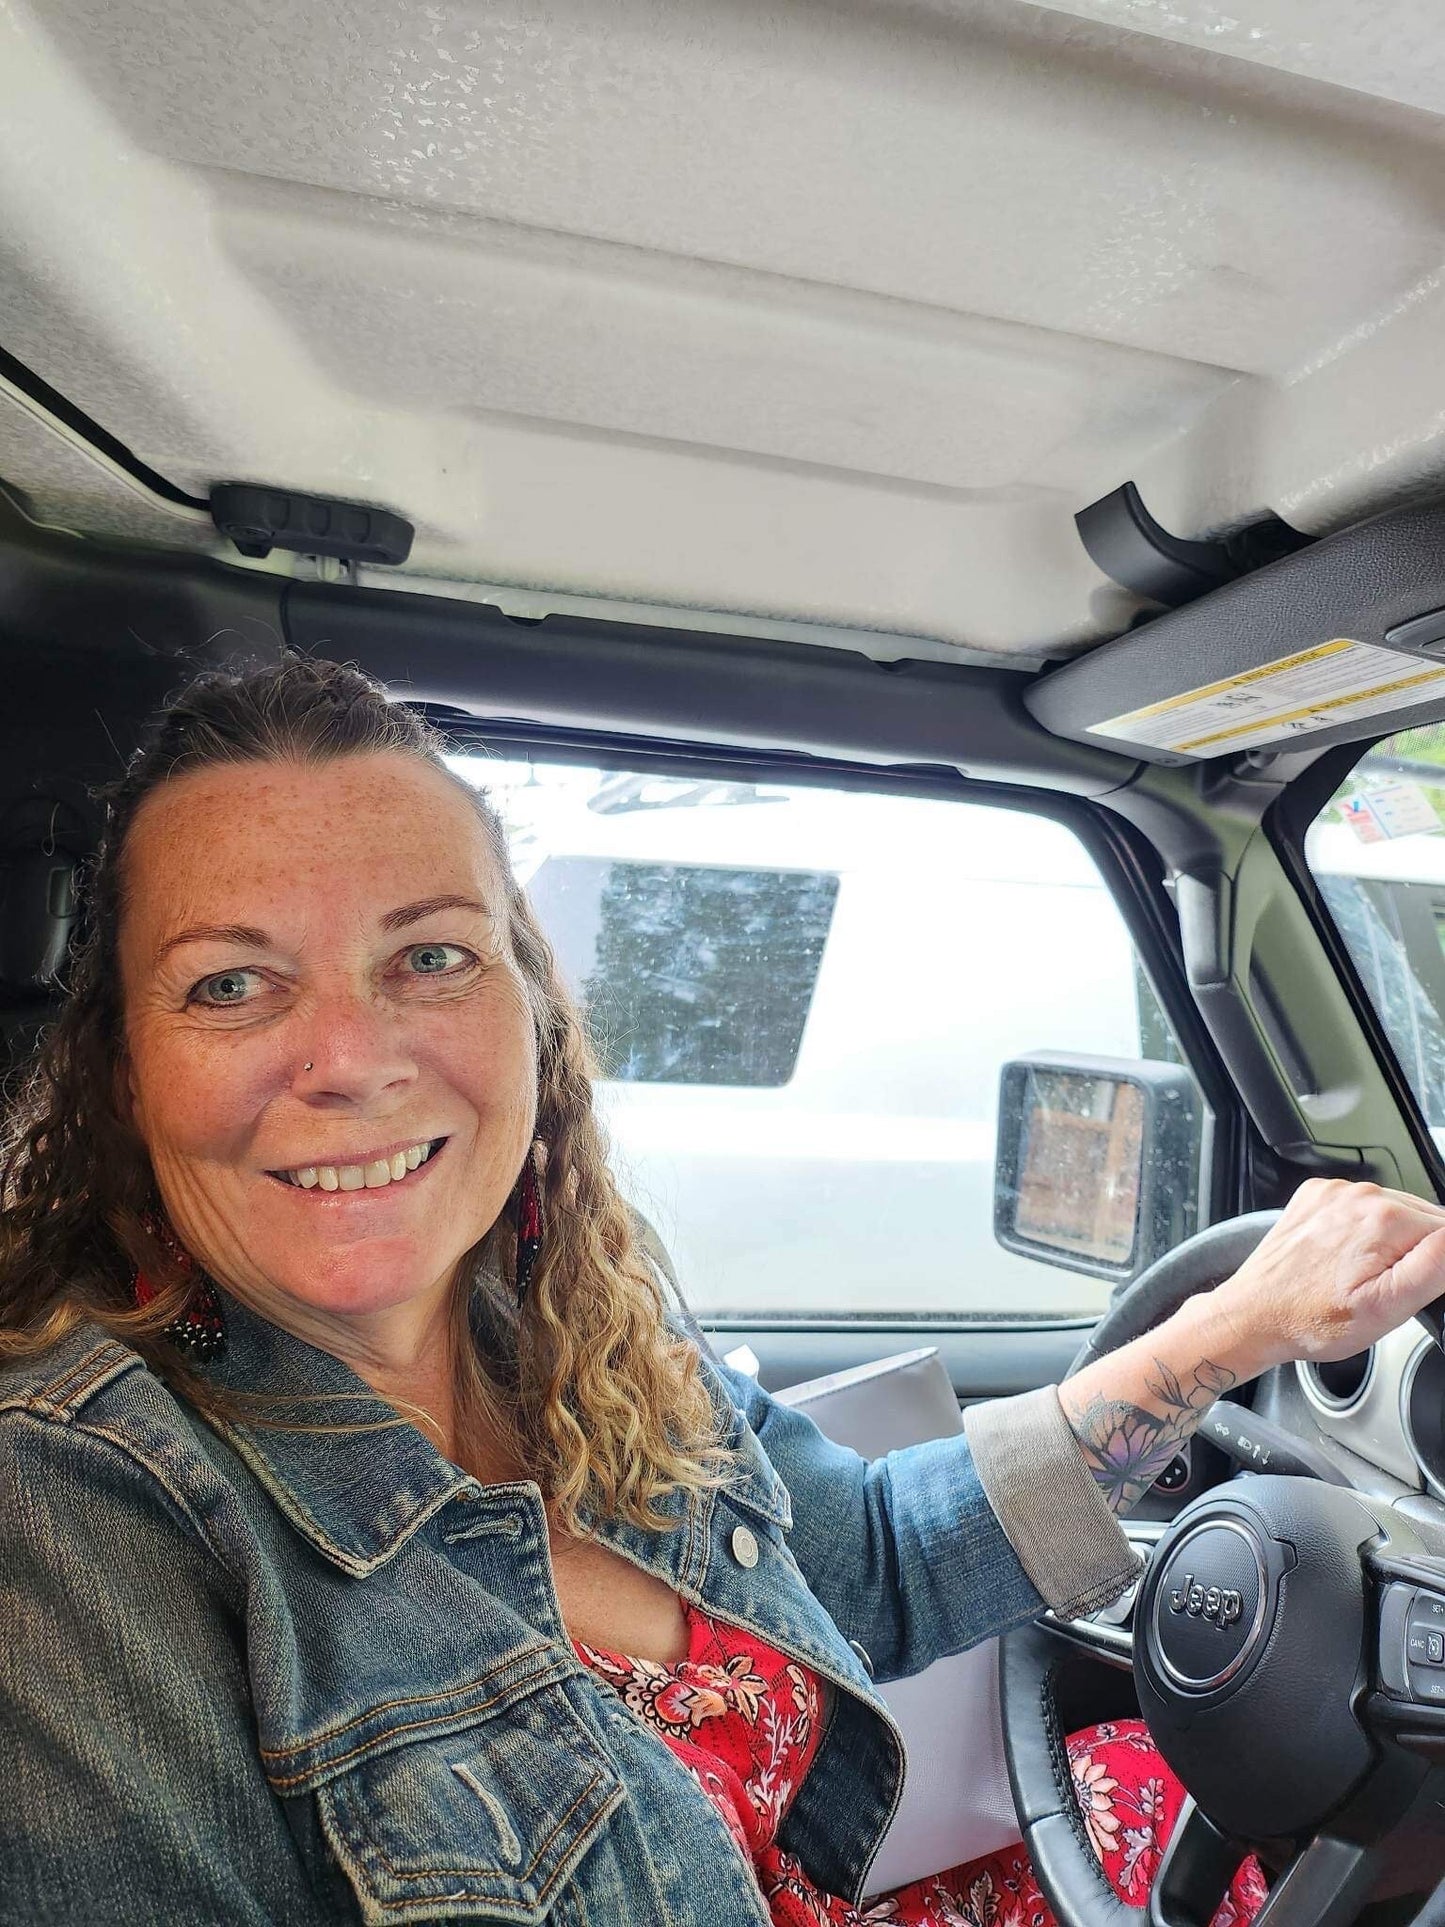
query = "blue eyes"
x=433 y=951
x=228 y=983
x=228 y=988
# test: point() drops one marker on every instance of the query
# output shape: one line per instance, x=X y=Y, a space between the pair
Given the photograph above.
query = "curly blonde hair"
x=598 y=1398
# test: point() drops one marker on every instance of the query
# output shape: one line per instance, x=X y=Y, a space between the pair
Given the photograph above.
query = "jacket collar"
x=357 y=1493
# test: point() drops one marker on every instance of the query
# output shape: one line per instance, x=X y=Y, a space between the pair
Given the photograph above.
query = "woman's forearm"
x=1346 y=1263
x=1132 y=1410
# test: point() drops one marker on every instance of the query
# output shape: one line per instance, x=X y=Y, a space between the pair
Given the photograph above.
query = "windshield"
x=1377 y=852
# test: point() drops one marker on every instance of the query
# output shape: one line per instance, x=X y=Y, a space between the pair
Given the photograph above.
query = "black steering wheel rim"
x=1199 y=1264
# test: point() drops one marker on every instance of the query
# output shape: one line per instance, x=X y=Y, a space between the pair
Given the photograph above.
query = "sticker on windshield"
x=1316 y=689
x=1394 y=809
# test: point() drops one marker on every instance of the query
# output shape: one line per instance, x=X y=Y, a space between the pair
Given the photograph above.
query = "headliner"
x=811 y=317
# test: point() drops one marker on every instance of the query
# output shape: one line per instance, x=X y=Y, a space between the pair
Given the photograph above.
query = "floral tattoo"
x=1128 y=1446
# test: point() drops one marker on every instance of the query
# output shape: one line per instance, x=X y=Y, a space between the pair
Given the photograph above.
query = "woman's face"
x=317 y=980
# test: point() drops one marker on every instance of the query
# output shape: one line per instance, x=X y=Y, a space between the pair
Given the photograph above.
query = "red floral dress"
x=745 y=1722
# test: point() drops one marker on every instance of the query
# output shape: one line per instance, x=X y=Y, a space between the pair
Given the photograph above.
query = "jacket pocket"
x=488 y=1820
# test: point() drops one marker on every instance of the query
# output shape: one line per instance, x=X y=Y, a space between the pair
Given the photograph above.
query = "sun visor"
x=1341 y=641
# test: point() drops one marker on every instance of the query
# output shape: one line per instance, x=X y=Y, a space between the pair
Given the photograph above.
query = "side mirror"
x=1096 y=1164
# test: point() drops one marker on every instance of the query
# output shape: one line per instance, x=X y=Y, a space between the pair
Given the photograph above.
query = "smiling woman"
x=379 y=1546
x=414 y=1016
x=282 y=1017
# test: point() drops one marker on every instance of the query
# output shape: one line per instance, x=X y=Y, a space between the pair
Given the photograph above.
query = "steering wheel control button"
x=1175 y=1476
x=744 y=1547
x=1425 y=1648
x=1117 y=1612
x=1209 y=1609
x=1416 y=1646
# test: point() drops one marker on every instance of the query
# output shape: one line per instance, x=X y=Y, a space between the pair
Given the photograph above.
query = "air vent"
x=1423 y=1399
x=1340 y=1384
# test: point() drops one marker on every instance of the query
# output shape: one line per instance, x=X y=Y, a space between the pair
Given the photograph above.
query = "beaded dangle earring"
x=529 y=1224
x=200 y=1331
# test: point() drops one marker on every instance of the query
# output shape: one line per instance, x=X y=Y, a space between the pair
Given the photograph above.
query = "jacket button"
x=745 y=1547
x=860 y=1653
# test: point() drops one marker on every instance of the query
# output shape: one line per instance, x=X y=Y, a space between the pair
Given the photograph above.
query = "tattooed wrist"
x=1127 y=1445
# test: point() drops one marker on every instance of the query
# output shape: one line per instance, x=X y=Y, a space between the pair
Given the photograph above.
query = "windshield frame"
x=1286 y=824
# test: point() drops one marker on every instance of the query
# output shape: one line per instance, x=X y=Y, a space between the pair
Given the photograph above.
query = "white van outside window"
x=801 y=1001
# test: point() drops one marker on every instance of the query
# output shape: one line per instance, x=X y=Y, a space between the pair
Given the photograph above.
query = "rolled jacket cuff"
x=1036 y=1478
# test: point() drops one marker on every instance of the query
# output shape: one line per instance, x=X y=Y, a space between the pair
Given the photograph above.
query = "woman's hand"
x=1345 y=1264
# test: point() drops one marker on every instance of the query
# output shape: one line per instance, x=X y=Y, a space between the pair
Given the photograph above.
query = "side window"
x=801 y=1002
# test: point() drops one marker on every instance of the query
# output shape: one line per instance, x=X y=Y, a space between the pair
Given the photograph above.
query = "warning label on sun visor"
x=1316 y=689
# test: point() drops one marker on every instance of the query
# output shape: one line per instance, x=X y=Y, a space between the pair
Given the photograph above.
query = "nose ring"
x=306 y=1067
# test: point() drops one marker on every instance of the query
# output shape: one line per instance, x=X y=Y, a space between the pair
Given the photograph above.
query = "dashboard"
x=1378 y=1416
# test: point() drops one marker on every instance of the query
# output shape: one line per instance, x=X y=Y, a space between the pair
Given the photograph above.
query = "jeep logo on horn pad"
x=1223 y=1606
x=1209 y=1605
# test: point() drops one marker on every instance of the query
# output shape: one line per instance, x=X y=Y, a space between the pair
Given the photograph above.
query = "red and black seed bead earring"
x=529 y=1224
x=200 y=1331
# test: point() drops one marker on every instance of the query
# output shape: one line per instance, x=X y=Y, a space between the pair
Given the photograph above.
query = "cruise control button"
x=1427 y=1685
x=1425 y=1634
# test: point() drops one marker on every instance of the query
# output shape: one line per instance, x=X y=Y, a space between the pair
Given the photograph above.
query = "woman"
x=372 y=1547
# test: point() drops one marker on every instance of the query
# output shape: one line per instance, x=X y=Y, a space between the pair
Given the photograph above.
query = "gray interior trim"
x=877 y=1407
x=1362 y=582
x=745 y=691
x=1266 y=987
x=563 y=671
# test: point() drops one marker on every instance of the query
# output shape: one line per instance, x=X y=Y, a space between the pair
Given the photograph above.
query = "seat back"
x=37 y=915
x=956 y=1804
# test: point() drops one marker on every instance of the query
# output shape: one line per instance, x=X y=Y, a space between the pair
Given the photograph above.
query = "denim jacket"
x=256 y=1675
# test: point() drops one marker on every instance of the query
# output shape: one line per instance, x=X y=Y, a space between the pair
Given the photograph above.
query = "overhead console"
x=1340 y=640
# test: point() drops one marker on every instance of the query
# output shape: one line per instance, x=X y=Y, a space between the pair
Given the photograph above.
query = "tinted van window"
x=689 y=974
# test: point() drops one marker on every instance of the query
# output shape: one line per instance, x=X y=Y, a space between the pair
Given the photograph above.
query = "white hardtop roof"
x=803 y=318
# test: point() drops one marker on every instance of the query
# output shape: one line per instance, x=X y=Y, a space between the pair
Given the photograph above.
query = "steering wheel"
x=1280 y=1653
